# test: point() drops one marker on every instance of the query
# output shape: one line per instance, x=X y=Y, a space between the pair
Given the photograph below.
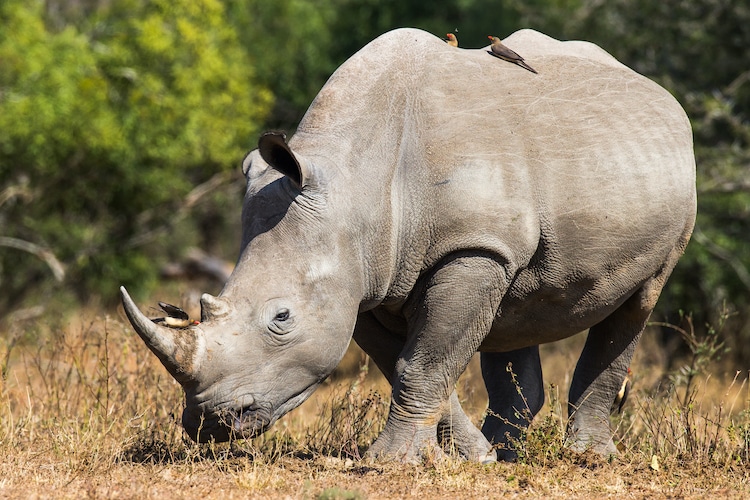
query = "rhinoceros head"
x=285 y=316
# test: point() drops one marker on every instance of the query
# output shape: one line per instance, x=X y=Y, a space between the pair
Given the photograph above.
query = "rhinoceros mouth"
x=255 y=419
x=249 y=421
x=226 y=424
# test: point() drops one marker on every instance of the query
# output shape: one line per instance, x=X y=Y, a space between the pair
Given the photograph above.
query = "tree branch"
x=191 y=200
x=57 y=268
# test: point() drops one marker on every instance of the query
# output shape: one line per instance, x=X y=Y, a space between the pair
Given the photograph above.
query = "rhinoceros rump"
x=436 y=202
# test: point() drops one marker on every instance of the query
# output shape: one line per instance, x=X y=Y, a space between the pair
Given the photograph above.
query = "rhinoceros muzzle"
x=245 y=423
x=178 y=350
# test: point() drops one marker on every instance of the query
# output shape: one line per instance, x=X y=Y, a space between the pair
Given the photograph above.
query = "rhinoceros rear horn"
x=275 y=151
x=213 y=308
x=175 y=348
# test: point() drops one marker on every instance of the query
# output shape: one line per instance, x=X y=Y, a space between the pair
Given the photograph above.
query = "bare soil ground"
x=87 y=411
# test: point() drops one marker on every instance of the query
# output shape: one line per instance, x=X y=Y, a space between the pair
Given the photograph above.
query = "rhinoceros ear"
x=275 y=151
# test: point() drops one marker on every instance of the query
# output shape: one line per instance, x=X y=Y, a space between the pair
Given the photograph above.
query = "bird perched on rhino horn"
x=175 y=317
x=500 y=51
x=622 y=394
x=452 y=40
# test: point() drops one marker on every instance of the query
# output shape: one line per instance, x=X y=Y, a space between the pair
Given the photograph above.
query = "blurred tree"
x=117 y=117
x=291 y=45
x=360 y=21
x=297 y=44
x=106 y=129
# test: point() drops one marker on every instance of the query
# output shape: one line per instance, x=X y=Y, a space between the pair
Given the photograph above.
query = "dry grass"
x=87 y=411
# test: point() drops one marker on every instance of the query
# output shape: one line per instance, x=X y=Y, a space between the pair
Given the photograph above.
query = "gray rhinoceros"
x=435 y=202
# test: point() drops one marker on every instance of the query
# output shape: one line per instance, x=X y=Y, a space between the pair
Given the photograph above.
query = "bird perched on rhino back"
x=175 y=317
x=452 y=40
x=500 y=51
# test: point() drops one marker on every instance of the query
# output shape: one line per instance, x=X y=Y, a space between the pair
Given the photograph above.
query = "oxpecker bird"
x=175 y=317
x=452 y=40
x=502 y=52
x=622 y=394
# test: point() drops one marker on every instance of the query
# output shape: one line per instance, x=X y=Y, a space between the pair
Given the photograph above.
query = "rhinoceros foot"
x=592 y=433
x=458 y=435
x=418 y=439
x=604 y=447
x=407 y=443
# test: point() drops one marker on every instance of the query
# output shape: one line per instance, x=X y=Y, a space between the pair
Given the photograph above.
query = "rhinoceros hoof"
x=580 y=440
x=409 y=444
x=463 y=439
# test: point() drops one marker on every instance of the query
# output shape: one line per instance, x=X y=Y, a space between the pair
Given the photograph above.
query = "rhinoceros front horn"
x=175 y=348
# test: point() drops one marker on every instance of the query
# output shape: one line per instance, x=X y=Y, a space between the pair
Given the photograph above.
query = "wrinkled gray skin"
x=434 y=202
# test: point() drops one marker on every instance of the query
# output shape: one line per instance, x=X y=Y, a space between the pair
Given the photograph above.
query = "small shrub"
x=349 y=421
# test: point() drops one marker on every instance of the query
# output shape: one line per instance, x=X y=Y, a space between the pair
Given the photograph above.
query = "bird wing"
x=506 y=53
x=173 y=311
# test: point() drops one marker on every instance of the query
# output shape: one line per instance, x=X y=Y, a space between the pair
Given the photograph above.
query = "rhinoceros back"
x=583 y=173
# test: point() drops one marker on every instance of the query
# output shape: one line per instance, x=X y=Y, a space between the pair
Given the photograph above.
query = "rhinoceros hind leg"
x=516 y=394
x=602 y=368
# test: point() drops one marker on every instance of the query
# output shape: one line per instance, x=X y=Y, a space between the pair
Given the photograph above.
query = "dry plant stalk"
x=90 y=401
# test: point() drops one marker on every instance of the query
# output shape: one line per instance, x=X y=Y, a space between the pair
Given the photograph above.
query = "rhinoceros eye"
x=282 y=315
x=281 y=323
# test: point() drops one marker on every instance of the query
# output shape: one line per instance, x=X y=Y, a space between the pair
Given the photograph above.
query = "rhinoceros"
x=435 y=202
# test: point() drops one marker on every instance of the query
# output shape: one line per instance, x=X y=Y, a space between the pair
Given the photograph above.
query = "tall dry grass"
x=83 y=395
x=86 y=400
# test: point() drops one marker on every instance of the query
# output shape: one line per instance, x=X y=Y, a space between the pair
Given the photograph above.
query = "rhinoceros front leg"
x=602 y=368
x=516 y=394
x=448 y=315
x=382 y=336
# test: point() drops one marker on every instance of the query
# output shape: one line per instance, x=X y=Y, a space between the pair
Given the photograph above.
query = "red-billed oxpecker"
x=175 y=317
x=502 y=52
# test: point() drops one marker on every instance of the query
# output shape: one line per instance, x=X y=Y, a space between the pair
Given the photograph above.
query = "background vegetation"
x=122 y=124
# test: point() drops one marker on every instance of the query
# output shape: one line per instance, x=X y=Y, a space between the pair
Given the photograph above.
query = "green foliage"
x=179 y=68
x=107 y=127
x=705 y=350
x=292 y=47
x=542 y=441
x=112 y=112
